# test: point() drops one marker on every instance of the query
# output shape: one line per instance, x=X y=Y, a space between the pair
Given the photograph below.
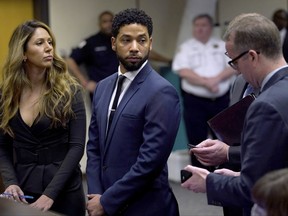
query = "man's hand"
x=211 y=152
x=197 y=182
x=44 y=203
x=94 y=207
x=212 y=84
x=227 y=172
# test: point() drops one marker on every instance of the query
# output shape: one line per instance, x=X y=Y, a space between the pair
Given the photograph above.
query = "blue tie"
x=249 y=90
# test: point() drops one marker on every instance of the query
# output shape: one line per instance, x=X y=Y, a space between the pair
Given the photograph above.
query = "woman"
x=270 y=194
x=43 y=124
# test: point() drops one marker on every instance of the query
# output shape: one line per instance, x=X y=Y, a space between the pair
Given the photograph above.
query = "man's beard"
x=132 y=66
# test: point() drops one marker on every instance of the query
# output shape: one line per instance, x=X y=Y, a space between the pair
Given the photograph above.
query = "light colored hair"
x=271 y=192
x=56 y=102
x=257 y=32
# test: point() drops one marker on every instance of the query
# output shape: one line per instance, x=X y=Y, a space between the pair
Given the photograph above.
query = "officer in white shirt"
x=205 y=79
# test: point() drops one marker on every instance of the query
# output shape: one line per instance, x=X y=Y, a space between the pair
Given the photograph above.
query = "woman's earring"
x=24 y=59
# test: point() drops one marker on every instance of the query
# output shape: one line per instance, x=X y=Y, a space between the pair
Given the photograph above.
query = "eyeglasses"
x=233 y=62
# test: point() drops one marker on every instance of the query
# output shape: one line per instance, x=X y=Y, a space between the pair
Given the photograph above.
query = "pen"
x=21 y=196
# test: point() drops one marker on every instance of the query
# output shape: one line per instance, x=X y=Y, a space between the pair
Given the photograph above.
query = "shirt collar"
x=131 y=74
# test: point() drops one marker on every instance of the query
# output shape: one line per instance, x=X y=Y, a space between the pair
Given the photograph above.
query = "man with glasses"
x=205 y=79
x=265 y=133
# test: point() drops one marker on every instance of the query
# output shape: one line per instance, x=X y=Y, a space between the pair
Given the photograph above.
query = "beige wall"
x=230 y=8
x=74 y=20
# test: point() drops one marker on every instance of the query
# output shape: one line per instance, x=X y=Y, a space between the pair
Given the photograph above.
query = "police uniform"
x=206 y=60
x=97 y=55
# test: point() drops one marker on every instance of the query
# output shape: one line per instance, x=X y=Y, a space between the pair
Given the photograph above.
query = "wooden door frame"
x=41 y=10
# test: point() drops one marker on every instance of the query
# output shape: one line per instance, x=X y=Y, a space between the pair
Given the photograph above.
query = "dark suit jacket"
x=234 y=153
x=237 y=89
x=50 y=179
x=236 y=93
x=285 y=47
x=263 y=146
x=129 y=168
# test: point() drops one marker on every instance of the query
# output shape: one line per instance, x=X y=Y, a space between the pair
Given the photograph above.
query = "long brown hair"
x=56 y=102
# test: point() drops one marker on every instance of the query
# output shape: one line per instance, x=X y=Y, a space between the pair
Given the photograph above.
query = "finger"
x=186 y=184
x=219 y=170
x=90 y=196
x=23 y=200
x=21 y=196
x=206 y=143
x=206 y=163
x=16 y=196
x=33 y=205
x=201 y=158
x=204 y=159
x=203 y=150
x=46 y=208
x=189 y=168
x=195 y=170
x=192 y=169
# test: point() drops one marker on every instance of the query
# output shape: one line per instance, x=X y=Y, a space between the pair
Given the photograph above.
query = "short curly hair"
x=130 y=16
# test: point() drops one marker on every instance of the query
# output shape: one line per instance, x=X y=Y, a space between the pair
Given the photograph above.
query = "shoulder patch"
x=82 y=44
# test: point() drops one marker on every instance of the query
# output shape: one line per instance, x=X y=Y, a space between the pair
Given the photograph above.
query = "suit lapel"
x=107 y=94
x=276 y=77
x=133 y=88
x=238 y=89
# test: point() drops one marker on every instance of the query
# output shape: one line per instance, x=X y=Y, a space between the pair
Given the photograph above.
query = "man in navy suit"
x=253 y=43
x=127 y=159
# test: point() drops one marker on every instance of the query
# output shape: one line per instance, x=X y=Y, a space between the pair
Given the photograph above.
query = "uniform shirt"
x=207 y=60
x=282 y=35
x=97 y=55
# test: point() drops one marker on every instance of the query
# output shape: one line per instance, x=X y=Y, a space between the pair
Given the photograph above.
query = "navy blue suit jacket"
x=128 y=167
x=264 y=146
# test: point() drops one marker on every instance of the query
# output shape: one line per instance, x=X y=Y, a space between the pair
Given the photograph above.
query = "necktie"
x=249 y=90
x=116 y=98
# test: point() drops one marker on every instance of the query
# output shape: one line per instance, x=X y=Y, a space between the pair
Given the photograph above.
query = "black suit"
x=47 y=159
x=285 y=46
x=236 y=93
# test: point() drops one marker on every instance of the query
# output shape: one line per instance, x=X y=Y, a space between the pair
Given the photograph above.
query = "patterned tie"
x=116 y=98
x=249 y=90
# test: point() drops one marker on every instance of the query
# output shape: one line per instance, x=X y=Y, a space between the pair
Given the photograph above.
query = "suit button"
x=104 y=168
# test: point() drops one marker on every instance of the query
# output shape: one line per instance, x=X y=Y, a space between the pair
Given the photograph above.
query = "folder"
x=228 y=124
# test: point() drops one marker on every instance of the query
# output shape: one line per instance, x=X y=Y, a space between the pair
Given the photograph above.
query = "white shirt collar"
x=131 y=74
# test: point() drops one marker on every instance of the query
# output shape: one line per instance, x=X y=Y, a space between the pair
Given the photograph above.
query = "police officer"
x=96 y=54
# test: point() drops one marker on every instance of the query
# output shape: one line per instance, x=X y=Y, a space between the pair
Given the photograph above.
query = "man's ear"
x=113 y=43
x=254 y=54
